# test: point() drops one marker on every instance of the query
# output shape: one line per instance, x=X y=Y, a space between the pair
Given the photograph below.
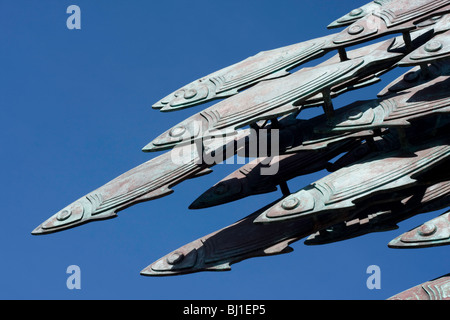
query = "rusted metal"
x=437 y=289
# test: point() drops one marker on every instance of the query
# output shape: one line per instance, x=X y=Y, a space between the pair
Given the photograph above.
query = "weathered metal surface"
x=356 y=14
x=251 y=178
x=437 y=289
x=435 y=49
x=150 y=180
x=416 y=76
x=435 y=232
x=241 y=240
x=245 y=239
x=434 y=197
x=277 y=62
x=349 y=187
x=273 y=98
x=400 y=16
x=398 y=111
x=230 y=80
x=393 y=150
x=216 y=251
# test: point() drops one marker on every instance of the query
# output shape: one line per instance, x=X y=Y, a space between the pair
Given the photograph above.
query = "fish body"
x=150 y=180
x=400 y=16
x=434 y=197
x=437 y=48
x=435 y=232
x=397 y=111
x=350 y=187
x=356 y=14
x=271 y=99
x=230 y=80
x=242 y=240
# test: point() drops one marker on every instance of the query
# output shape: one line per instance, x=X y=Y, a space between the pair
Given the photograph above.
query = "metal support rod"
x=342 y=54
x=404 y=144
x=424 y=69
x=407 y=40
x=328 y=104
x=284 y=188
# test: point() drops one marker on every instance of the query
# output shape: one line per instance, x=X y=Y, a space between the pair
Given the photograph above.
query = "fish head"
x=181 y=134
x=190 y=95
x=299 y=204
x=360 y=30
x=75 y=214
x=354 y=116
x=180 y=261
x=350 y=17
x=223 y=192
x=435 y=232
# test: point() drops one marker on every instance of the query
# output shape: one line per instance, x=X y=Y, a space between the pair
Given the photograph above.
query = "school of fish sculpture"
x=387 y=157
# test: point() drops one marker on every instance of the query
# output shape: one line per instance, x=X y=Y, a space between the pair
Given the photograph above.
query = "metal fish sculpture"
x=302 y=152
x=241 y=240
x=245 y=239
x=356 y=14
x=271 y=99
x=364 y=181
x=437 y=289
x=435 y=49
x=400 y=16
x=397 y=111
x=150 y=180
x=230 y=80
x=434 y=197
x=435 y=232
x=274 y=63
x=417 y=76
x=263 y=175
x=367 y=9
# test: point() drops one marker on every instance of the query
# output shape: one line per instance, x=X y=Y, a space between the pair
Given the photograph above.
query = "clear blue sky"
x=76 y=108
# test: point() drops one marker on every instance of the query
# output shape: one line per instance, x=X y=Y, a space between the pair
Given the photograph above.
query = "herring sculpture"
x=387 y=157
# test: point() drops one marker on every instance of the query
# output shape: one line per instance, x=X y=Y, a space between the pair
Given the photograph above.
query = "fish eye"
x=354 y=115
x=63 y=214
x=290 y=204
x=175 y=258
x=177 y=131
x=189 y=94
x=220 y=189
